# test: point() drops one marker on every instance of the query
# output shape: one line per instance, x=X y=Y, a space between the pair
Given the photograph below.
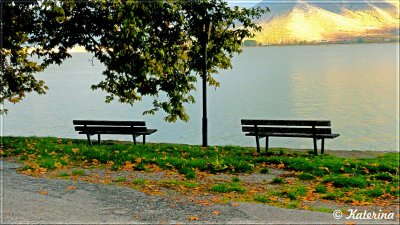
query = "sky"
x=243 y=3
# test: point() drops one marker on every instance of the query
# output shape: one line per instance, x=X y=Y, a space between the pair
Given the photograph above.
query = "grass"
x=228 y=187
x=329 y=177
x=78 y=172
x=139 y=181
x=120 y=179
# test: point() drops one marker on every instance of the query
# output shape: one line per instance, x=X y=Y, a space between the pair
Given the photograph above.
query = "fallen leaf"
x=138 y=160
x=273 y=198
x=191 y=218
x=280 y=166
x=216 y=212
x=349 y=223
x=43 y=192
x=235 y=205
x=71 y=187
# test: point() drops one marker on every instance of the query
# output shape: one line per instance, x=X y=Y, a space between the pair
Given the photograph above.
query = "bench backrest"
x=105 y=126
x=287 y=126
x=109 y=123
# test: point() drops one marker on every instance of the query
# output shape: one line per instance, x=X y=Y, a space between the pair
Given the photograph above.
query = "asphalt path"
x=32 y=200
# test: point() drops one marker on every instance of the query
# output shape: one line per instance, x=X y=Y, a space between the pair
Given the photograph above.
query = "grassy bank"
x=223 y=173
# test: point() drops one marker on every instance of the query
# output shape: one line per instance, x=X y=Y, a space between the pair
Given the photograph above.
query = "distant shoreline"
x=324 y=44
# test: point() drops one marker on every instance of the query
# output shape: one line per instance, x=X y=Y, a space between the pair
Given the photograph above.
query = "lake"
x=354 y=86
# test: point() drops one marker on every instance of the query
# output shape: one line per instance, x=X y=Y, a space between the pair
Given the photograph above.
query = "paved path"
x=24 y=201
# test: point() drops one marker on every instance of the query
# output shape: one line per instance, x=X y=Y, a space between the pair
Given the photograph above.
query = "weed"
x=47 y=162
x=306 y=176
x=189 y=184
x=383 y=176
x=261 y=198
x=264 y=171
x=321 y=209
x=374 y=193
x=321 y=189
x=235 y=179
x=341 y=181
x=63 y=174
x=188 y=172
x=333 y=195
x=277 y=180
x=298 y=191
x=226 y=187
x=78 y=172
x=120 y=179
x=140 y=166
x=292 y=205
x=139 y=181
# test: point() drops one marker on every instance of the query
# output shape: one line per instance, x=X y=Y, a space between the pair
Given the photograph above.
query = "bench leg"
x=322 y=145
x=134 y=139
x=258 y=144
x=315 y=146
x=88 y=138
x=144 y=139
x=98 y=139
x=266 y=144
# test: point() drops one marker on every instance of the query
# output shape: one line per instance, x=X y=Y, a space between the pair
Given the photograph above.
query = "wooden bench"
x=315 y=129
x=92 y=127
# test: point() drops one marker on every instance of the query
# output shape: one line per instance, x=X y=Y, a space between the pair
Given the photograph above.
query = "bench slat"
x=287 y=130
x=287 y=122
x=301 y=135
x=109 y=123
x=120 y=132
x=99 y=129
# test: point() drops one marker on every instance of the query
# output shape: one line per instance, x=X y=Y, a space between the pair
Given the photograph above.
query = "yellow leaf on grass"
x=280 y=166
x=95 y=161
x=138 y=160
x=273 y=198
x=216 y=212
x=128 y=165
x=191 y=218
x=71 y=187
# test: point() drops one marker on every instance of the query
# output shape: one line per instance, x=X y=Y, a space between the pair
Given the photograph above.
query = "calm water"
x=354 y=86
